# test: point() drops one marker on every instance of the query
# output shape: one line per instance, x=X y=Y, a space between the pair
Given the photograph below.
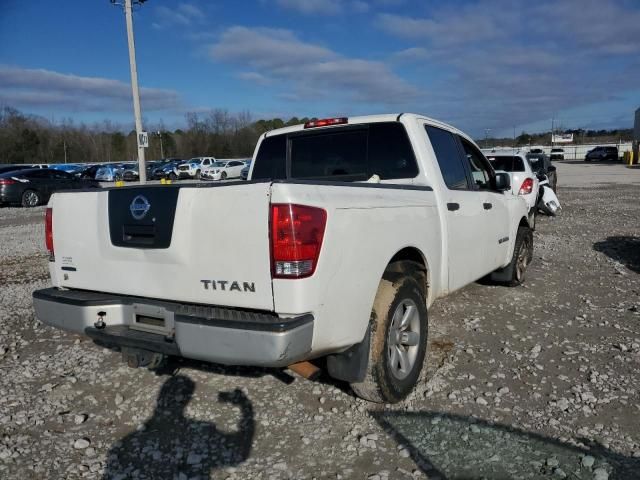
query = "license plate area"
x=152 y=319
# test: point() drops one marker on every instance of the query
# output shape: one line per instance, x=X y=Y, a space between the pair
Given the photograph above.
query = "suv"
x=193 y=168
x=557 y=154
x=602 y=154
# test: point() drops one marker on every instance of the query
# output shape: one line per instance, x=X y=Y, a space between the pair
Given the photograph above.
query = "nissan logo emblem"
x=139 y=207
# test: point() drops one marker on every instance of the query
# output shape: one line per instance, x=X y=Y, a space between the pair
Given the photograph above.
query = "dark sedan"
x=33 y=187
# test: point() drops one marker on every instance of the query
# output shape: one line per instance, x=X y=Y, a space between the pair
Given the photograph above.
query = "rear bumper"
x=219 y=335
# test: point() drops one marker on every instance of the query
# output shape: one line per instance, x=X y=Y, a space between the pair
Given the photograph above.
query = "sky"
x=488 y=68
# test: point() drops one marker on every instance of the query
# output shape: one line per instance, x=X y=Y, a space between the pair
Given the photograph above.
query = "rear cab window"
x=347 y=153
x=507 y=163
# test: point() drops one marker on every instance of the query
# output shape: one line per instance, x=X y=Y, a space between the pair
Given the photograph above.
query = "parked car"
x=109 y=173
x=602 y=153
x=244 y=173
x=223 y=170
x=67 y=167
x=131 y=173
x=40 y=165
x=524 y=181
x=34 y=186
x=557 y=154
x=166 y=170
x=354 y=230
x=88 y=171
x=193 y=168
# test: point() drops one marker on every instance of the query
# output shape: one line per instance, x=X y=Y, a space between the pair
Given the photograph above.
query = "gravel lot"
x=534 y=382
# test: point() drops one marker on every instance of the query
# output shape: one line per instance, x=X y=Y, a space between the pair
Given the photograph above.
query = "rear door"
x=466 y=234
x=166 y=242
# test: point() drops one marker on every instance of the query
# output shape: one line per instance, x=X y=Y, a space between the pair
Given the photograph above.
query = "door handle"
x=487 y=206
x=453 y=206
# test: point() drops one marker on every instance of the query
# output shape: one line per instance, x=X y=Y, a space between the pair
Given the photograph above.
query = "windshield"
x=507 y=163
x=219 y=164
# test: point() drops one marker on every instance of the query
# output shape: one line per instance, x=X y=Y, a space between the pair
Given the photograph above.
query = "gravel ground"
x=534 y=382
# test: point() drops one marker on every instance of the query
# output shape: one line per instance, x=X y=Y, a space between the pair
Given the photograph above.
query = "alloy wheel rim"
x=403 y=339
x=523 y=260
x=32 y=199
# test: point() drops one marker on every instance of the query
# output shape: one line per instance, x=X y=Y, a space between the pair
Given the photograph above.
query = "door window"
x=478 y=166
x=445 y=146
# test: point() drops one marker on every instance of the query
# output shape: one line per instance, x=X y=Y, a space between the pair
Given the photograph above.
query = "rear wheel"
x=173 y=176
x=31 y=198
x=398 y=339
x=198 y=175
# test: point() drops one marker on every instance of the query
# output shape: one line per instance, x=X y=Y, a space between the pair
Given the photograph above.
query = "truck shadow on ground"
x=171 y=445
x=454 y=447
x=625 y=250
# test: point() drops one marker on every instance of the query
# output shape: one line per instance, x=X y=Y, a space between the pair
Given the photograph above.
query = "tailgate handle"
x=139 y=234
x=487 y=206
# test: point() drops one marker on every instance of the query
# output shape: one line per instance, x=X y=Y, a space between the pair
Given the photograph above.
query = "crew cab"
x=346 y=232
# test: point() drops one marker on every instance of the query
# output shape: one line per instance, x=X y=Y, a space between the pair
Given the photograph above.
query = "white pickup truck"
x=346 y=232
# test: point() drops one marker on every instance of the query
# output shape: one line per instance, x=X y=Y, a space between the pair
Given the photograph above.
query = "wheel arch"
x=416 y=256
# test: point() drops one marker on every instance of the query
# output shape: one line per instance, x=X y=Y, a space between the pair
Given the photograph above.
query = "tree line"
x=28 y=138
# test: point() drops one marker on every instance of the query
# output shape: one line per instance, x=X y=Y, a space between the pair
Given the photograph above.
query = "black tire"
x=31 y=198
x=198 y=175
x=223 y=176
x=514 y=274
x=173 y=177
x=396 y=292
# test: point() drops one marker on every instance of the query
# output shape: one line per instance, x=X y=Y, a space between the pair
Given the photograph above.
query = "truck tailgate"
x=196 y=244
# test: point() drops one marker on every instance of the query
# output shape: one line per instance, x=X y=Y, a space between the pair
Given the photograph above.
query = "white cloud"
x=183 y=15
x=34 y=88
x=307 y=71
x=311 y=7
x=497 y=64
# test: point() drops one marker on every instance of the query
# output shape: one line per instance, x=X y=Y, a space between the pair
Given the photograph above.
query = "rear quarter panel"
x=365 y=228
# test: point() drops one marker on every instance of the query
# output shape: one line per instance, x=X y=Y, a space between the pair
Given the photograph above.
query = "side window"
x=37 y=174
x=271 y=159
x=449 y=159
x=477 y=165
x=390 y=152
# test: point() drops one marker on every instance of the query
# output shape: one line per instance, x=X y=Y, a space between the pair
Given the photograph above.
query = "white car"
x=524 y=181
x=222 y=170
x=193 y=168
x=347 y=232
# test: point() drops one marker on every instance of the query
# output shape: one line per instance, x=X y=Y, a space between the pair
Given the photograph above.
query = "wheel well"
x=410 y=255
x=523 y=222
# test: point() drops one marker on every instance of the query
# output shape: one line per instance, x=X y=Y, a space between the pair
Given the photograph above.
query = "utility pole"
x=486 y=137
x=551 y=132
x=128 y=13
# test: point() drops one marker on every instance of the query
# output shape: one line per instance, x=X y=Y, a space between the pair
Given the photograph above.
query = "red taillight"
x=296 y=237
x=526 y=187
x=48 y=230
x=7 y=181
x=324 y=122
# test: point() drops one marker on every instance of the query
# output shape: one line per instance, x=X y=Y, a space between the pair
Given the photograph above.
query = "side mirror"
x=503 y=182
